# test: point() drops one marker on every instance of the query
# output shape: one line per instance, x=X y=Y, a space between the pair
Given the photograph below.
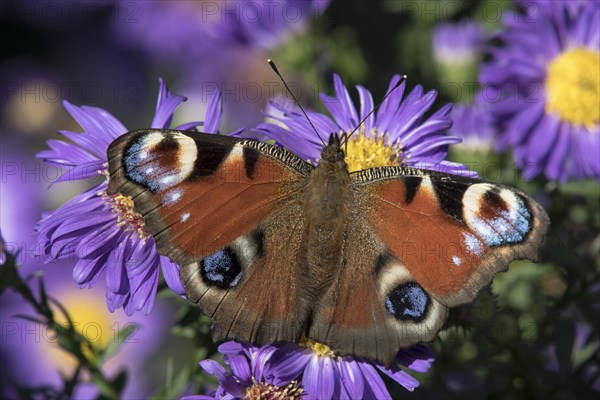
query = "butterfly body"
x=326 y=207
x=274 y=248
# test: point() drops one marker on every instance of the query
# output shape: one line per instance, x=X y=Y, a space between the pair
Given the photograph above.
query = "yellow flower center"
x=373 y=151
x=573 y=87
x=266 y=391
x=322 y=350
x=122 y=206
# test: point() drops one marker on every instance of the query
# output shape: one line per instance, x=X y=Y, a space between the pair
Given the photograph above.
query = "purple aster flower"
x=251 y=374
x=545 y=90
x=457 y=43
x=474 y=124
x=322 y=374
x=399 y=133
x=102 y=232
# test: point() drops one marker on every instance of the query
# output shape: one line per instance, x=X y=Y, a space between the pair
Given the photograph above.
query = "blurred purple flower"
x=218 y=45
x=323 y=375
x=397 y=134
x=457 y=43
x=3 y=252
x=103 y=232
x=474 y=124
x=30 y=353
x=548 y=94
x=192 y=31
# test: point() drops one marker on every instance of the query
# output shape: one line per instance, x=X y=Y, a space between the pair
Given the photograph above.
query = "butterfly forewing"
x=217 y=206
x=452 y=233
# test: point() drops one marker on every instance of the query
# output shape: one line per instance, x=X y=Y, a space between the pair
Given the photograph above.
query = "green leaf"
x=118 y=340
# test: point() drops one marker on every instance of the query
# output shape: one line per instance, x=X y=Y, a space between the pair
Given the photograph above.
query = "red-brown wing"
x=452 y=233
x=222 y=208
x=374 y=306
x=199 y=192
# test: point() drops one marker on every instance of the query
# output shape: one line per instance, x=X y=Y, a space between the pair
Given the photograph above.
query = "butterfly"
x=274 y=248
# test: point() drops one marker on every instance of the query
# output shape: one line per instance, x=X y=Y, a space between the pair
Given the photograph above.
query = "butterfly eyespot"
x=500 y=217
x=221 y=269
x=408 y=302
x=159 y=161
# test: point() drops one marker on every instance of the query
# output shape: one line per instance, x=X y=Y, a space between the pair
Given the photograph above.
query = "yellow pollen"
x=573 y=87
x=122 y=206
x=266 y=391
x=321 y=349
x=370 y=152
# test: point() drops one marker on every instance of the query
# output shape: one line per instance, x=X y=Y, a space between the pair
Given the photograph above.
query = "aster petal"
x=74 y=223
x=341 y=107
x=231 y=347
x=305 y=149
x=116 y=273
x=141 y=257
x=98 y=123
x=352 y=378
x=310 y=378
x=586 y=152
x=387 y=108
x=426 y=146
x=522 y=122
x=86 y=271
x=431 y=126
x=411 y=111
x=286 y=364
x=86 y=141
x=64 y=153
x=542 y=138
x=375 y=388
x=225 y=380
x=115 y=301
x=418 y=358
x=592 y=37
x=239 y=366
x=143 y=289
x=328 y=375
x=259 y=358
x=170 y=271
x=189 y=126
x=97 y=242
x=165 y=107
x=404 y=379
x=366 y=106
x=214 y=113
x=554 y=169
x=81 y=172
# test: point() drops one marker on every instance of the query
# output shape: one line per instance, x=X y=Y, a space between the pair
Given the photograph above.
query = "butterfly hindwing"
x=264 y=298
x=217 y=206
x=375 y=306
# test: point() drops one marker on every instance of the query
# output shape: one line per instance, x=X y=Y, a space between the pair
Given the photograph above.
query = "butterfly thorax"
x=326 y=207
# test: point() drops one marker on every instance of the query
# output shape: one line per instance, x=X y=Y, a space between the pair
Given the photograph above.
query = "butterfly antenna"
x=272 y=64
x=402 y=79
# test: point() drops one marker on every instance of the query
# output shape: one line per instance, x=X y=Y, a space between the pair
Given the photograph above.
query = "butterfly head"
x=332 y=152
